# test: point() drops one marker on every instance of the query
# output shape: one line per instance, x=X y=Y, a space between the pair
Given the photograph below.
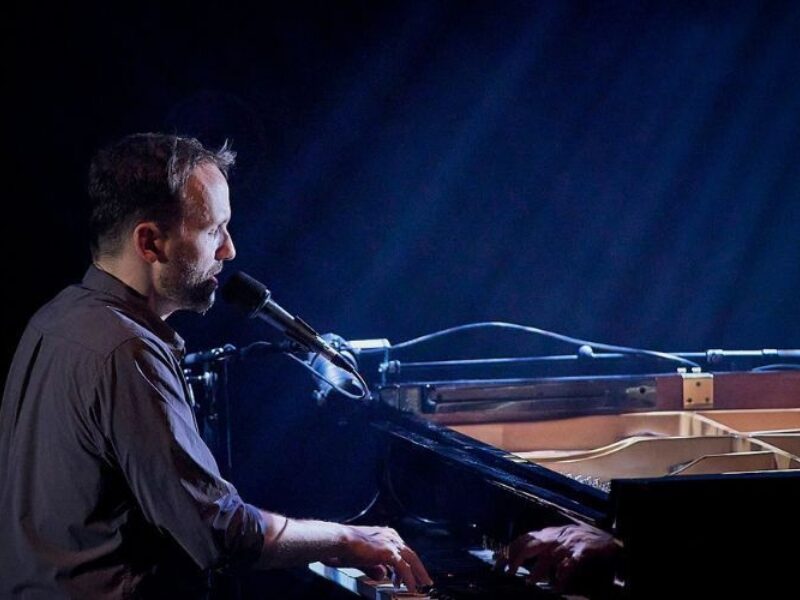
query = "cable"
x=588 y=350
x=227 y=400
x=776 y=367
x=260 y=345
x=362 y=384
x=392 y=490
x=375 y=497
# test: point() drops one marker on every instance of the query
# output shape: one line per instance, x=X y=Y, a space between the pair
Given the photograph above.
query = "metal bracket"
x=698 y=389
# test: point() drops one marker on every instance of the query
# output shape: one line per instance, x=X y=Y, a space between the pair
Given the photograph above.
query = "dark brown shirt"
x=106 y=488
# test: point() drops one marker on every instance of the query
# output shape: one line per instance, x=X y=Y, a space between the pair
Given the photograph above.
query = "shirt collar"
x=97 y=279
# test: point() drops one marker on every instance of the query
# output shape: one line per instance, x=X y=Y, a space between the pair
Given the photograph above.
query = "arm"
x=373 y=549
x=176 y=482
x=152 y=439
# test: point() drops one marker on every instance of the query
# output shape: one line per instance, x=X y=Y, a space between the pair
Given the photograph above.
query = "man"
x=106 y=488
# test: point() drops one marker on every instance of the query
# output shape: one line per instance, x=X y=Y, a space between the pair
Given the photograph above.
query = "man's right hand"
x=378 y=550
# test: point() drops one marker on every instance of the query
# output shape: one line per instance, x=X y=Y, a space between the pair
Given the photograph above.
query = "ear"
x=149 y=242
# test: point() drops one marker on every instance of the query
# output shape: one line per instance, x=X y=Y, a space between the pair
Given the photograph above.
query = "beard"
x=188 y=287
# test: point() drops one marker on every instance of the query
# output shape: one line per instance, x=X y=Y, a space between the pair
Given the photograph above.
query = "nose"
x=227 y=251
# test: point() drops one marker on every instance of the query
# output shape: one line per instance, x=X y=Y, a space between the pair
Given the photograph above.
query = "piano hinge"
x=698 y=389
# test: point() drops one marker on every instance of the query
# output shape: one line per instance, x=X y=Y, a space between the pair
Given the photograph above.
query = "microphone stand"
x=229 y=351
x=205 y=370
x=206 y=373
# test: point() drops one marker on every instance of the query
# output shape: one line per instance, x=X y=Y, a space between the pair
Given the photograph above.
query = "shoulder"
x=96 y=323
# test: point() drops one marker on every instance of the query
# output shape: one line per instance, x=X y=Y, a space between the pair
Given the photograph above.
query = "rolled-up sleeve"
x=152 y=434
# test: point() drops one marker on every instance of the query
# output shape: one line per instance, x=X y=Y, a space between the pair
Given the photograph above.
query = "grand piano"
x=694 y=472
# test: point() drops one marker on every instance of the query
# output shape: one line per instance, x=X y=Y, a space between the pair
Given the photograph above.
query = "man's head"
x=160 y=207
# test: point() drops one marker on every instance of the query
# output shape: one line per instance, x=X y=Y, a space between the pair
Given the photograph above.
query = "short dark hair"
x=141 y=178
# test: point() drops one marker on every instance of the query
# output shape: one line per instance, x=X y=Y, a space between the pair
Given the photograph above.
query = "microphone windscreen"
x=245 y=292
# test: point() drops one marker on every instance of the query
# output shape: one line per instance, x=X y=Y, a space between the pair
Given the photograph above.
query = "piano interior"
x=596 y=449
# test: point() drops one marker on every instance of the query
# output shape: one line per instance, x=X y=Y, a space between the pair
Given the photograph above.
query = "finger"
x=564 y=574
x=404 y=574
x=520 y=542
x=500 y=562
x=533 y=549
x=420 y=573
x=559 y=552
x=376 y=572
x=541 y=569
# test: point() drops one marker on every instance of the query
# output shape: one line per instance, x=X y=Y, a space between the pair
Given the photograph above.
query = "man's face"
x=196 y=248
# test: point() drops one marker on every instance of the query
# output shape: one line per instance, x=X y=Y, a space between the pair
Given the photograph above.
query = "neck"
x=138 y=277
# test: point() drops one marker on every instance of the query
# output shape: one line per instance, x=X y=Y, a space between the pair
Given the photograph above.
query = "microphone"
x=255 y=299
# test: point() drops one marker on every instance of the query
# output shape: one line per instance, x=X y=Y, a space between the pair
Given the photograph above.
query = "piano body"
x=697 y=474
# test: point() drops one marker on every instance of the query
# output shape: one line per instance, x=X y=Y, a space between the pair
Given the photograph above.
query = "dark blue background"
x=620 y=171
